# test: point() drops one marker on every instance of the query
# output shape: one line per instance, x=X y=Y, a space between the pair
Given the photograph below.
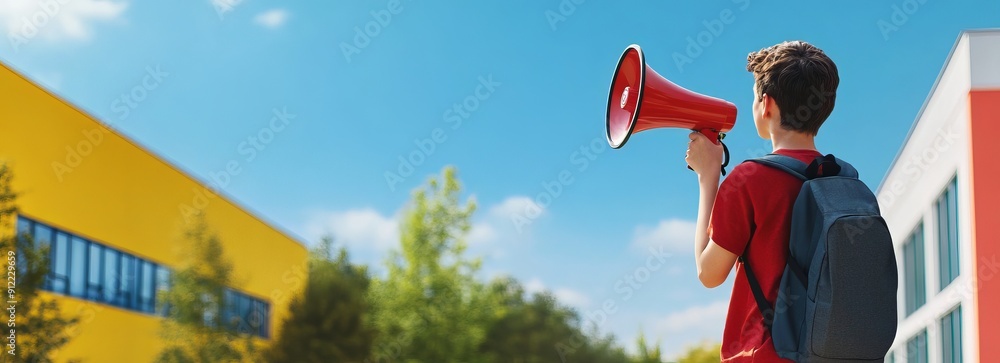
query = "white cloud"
x=482 y=233
x=519 y=205
x=57 y=19
x=572 y=298
x=534 y=286
x=683 y=321
x=369 y=230
x=694 y=325
x=676 y=235
x=364 y=229
x=515 y=215
x=273 y=18
x=565 y=296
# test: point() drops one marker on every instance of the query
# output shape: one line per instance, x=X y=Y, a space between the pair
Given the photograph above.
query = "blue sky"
x=512 y=95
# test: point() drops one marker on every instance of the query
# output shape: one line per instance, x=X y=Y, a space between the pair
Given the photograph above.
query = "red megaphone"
x=641 y=99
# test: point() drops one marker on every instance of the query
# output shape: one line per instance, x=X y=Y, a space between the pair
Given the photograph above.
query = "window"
x=92 y=271
x=42 y=236
x=147 y=287
x=951 y=336
x=947 y=233
x=128 y=282
x=23 y=230
x=245 y=314
x=162 y=285
x=245 y=310
x=263 y=312
x=916 y=348
x=23 y=226
x=229 y=315
x=78 y=268
x=915 y=288
x=111 y=276
x=59 y=272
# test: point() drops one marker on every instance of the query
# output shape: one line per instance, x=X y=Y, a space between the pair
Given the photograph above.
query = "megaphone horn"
x=640 y=99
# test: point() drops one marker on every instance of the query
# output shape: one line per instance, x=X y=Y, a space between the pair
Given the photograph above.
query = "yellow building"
x=115 y=215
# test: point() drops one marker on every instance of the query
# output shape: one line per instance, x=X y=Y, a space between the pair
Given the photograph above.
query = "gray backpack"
x=837 y=296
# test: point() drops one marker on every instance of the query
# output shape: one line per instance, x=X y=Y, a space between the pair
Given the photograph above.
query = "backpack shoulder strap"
x=797 y=169
x=829 y=165
x=802 y=171
x=766 y=311
x=846 y=169
x=787 y=164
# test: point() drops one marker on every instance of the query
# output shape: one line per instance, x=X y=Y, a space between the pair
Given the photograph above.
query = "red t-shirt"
x=754 y=205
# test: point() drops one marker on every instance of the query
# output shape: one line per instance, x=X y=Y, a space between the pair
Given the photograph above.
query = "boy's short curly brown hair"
x=801 y=79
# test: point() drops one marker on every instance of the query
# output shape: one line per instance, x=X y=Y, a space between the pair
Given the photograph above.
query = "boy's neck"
x=792 y=140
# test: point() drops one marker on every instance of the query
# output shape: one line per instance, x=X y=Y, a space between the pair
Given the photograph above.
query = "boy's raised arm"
x=713 y=262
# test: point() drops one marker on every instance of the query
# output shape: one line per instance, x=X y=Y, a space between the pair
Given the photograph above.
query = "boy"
x=749 y=215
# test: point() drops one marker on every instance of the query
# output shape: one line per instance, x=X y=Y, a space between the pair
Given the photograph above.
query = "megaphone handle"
x=717 y=137
x=712 y=135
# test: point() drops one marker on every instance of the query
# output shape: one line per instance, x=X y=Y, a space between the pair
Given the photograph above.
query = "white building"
x=940 y=199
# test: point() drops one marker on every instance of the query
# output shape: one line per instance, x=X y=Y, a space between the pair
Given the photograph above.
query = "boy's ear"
x=765 y=102
x=770 y=107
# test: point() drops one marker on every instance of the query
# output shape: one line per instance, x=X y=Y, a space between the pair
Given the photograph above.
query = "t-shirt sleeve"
x=731 y=224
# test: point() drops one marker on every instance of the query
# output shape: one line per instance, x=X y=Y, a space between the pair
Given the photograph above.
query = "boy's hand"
x=704 y=156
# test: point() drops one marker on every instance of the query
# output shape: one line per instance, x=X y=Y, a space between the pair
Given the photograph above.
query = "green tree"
x=598 y=348
x=526 y=331
x=40 y=325
x=645 y=353
x=195 y=329
x=330 y=319
x=430 y=307
x=539 y=329
x=705 y=353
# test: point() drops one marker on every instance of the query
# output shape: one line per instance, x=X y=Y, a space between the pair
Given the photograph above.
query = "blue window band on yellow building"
x=96 y=272
x=124 y=201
